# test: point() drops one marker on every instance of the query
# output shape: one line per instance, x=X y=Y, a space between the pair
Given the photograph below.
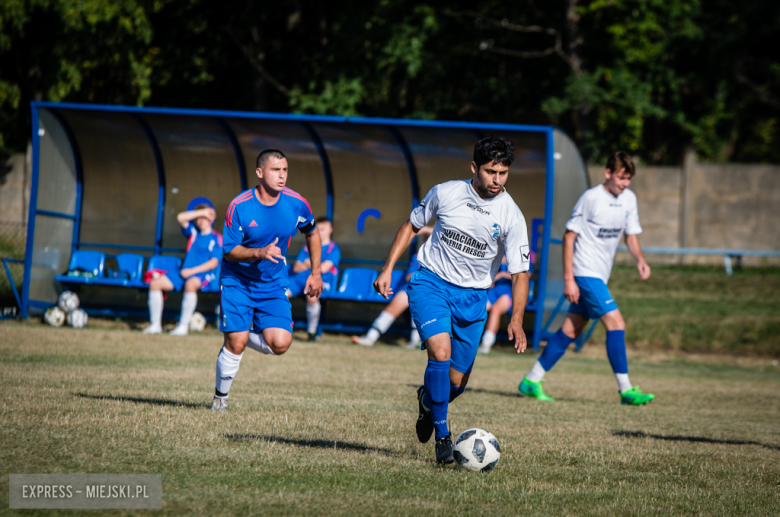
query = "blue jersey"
x=414 y=265
x=330 y=252
x=251 y=224
x=503 y=281
x=201 y=248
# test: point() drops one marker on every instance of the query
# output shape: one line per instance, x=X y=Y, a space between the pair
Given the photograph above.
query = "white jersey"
x=471 y=235
x=599 y=219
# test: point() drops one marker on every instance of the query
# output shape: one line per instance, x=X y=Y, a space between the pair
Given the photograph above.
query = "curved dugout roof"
x=113 y=178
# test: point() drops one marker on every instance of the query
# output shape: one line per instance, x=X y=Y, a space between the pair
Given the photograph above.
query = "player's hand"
x=516 y=334
x=571 y=291
x=210 y=213
x=186 y=273
x=272 y=252
x=313 y=287
x=382 y=284
x=644 y=270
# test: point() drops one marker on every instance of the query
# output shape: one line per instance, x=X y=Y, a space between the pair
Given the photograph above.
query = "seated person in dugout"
x=499 y=303
x=200 y=267
x=330 y=258
x=398 y=304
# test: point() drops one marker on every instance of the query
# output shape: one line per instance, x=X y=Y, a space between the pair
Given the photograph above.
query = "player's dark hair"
x=324 y=219
x=494 y=149
x=621 y=160
x=268 y=153
x=202 y=206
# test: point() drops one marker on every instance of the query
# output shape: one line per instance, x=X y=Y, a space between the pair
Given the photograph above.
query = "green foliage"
x=650 y=76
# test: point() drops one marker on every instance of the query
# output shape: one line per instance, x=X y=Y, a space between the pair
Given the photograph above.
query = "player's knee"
x=614 y=321
x=279 y=346
x=440 y=354
x=236 y=342
x=192 y=285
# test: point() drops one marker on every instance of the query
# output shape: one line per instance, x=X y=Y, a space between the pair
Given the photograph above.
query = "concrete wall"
x=702 y=205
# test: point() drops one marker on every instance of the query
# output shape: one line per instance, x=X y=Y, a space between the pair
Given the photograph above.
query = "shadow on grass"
x=139 y=400
x=318 y=444
x=510 y=394
x=694 y=439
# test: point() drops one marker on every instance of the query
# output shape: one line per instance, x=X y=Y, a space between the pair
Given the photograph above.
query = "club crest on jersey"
x=496 y=231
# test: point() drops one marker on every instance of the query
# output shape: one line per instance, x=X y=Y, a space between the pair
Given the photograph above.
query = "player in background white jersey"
x=478 y=222
x=601 y=215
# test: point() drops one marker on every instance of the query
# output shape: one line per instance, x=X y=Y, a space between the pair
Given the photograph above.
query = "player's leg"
x=572 y=327
x=616 y=352
x=188 y=304
x=435 y=396
x=272 y=325
x=395 y=308
x=414 y=338
x=156 y=288
x=234 y=321
x=498 y=309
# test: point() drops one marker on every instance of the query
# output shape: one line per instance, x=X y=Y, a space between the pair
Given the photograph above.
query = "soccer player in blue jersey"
x=330 y=258
x=201 y=263
x=478 y=222
x=601 y=215
x=258 y=227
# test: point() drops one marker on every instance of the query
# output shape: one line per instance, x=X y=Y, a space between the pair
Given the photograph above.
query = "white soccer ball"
x=68 y=301
x=476 y=450
x=54 y=316
x=78 y=319
x=197 y=322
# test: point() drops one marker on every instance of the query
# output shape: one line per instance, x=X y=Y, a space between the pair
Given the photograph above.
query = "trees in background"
x=649 y=76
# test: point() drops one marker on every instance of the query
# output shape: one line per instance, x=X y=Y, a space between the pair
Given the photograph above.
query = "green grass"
x=327 y=429
x=700 y=309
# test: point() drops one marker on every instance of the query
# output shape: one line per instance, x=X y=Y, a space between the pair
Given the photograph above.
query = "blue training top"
x=201 y=248
x=330 y=252
x=251 y=224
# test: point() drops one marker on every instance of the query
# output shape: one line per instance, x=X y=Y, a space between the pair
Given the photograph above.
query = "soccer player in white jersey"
x=478 y=222
x=601 y=215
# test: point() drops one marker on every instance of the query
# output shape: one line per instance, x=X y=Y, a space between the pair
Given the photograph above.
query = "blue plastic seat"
x=355 y=284
x=88 y=261
x=396 y=280
x=167 y=263
x=128 y=274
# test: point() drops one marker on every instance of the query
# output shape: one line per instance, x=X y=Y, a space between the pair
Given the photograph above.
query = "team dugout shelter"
x=111 y=179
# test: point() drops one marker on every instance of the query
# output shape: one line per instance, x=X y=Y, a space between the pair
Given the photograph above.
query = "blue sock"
x=437 y=393
x=616 y=350
x=456 y=392
x=556 y=347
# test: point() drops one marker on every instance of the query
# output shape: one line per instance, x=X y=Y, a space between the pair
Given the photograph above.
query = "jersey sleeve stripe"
x=294 y=194
x=232 y=208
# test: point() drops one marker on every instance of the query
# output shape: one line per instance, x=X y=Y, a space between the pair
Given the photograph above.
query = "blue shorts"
x=239 y=310
x=595 y=298
x=205 y=278
x=438 y=306
x=298 y=283
x=498 y=291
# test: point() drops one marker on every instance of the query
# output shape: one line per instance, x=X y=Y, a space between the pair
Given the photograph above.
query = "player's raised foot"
x=152 y=329
x=424 y=426
x=180 y=330
x=635 y=397
x=219 y=405
x=362 y=341
x=444 y=450
x=533 y=389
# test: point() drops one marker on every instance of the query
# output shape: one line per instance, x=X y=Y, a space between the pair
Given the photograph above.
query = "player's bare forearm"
x=326 y=266
x=520 y=284
x=632 y=243
x=184 y=218
x=402 y=241
x=210 y=264
x=301 y=266
x=272 y=252
x=315 y=252
x=570 y=289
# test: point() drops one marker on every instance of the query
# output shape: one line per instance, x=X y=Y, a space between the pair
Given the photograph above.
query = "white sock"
x=383 y=322
x=537 y=373
x=372 y=335
x=155 y=308
x=227 y=368
x=188 y=304
x=414 y=337
x=488 y=338
x=257 y=343
x=313 y=316
x=623 y=383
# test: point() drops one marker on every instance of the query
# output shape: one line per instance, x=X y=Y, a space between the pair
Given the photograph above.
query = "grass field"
x=327 y=429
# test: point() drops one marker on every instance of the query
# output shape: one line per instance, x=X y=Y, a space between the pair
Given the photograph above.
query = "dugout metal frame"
x=565 y=178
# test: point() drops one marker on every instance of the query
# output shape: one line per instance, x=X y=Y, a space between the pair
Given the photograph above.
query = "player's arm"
x=326 y=266
x=570 y=289
x=210 y=264
x=184 y=218
x=271 y=252
x=402 y=240
x=520 y=283
x=632 y=242
x=313 y=287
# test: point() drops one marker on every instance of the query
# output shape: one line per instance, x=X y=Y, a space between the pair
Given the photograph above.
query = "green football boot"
x=533 y=389
x=635 y=397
